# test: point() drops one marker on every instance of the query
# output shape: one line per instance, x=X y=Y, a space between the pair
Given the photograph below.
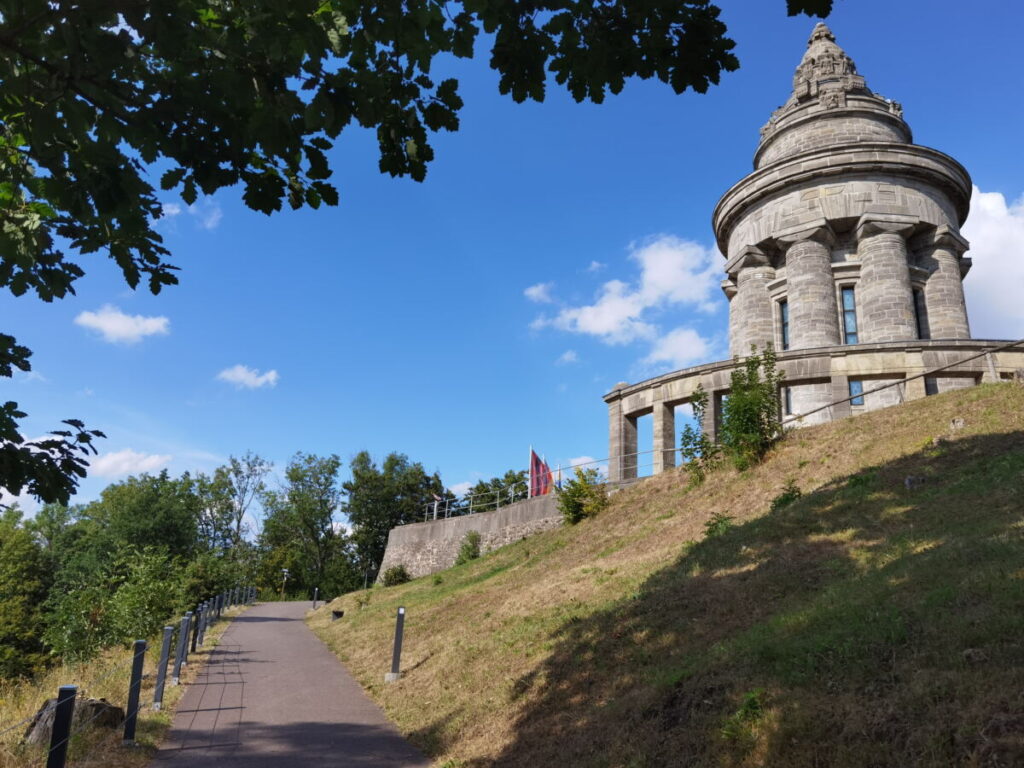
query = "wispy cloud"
x=540 y=293
x=244 y=377
x=119 y=328
x=567 y=358
x=127 y=462
x=996 y=231
x=460 y=489
x=596 y=266
x=206 y=212
x=679 y=348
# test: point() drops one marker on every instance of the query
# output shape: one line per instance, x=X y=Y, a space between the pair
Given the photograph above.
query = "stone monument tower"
x=842 y=251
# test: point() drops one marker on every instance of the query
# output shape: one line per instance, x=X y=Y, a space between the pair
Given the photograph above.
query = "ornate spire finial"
x=821 y=32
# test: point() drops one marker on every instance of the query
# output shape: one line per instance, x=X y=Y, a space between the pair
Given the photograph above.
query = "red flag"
x=540 y=475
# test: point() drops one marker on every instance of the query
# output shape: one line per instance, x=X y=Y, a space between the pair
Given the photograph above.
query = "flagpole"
x=529 y=474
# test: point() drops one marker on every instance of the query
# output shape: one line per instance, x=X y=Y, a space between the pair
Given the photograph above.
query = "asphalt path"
x=272 y=694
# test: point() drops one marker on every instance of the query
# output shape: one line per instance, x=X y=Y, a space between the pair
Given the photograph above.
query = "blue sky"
x=554 y=250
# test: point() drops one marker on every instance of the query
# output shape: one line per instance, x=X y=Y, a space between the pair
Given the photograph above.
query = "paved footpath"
x=273 y=695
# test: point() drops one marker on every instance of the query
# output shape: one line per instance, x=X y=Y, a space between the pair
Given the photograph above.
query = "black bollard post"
x=134 y=691
x=396 y=655
x=179 y=655
x=316 y=594
x=61 y=726
x=203 y=619
x=197 y=619
x=161 y=670
x=188 y=632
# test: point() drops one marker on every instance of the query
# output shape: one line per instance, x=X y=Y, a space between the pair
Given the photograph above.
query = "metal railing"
x=65 y=726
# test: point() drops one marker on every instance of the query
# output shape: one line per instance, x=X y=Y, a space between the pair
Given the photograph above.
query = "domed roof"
x=826 y=86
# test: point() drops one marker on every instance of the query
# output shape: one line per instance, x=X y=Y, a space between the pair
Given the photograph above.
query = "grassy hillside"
x=876 y=621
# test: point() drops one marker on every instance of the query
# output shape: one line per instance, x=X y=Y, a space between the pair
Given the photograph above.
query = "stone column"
x=885 y=300
x=810 y=289
x=664 y=437
x=944 y=289
x=621 y=440
x=750 y=311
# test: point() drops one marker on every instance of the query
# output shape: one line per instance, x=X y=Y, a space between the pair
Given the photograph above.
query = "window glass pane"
x=848 y=298
x=856 y=391
x=850 y=323
x=851 y=338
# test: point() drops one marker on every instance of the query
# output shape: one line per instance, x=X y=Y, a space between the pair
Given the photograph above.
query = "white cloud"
x=460 y=489
x=244 y=377
x=118 y=328
x=127 y=462
x=568 y=357
x=206 y=212
x=996 y=231
x=595 y=266
x=540 y=293
x=673 y=271
x=679 y=348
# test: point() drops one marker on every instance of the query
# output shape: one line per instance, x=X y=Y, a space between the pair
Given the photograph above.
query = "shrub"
x=395 y=575
x=470 y=549
x=438 y=581
x=750 y=415
x=790 y=493
x=699 y=452
x=583 y=496
x=718 y=525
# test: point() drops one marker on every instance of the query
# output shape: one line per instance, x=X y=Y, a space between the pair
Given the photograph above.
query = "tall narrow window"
x=787 y=401
x=849 y=316
x=784 y=322
x=856 y=392
x=921 y=315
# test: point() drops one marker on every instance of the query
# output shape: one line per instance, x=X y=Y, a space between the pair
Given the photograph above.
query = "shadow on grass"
x=876 y=622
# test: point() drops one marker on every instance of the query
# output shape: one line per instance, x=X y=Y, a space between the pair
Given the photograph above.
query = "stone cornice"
x=910 y=160
x=871 y=224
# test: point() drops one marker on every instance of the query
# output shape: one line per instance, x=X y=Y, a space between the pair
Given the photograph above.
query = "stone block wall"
x=425 y=548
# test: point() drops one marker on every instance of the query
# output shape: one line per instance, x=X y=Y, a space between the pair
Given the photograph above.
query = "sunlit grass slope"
x=876 y=621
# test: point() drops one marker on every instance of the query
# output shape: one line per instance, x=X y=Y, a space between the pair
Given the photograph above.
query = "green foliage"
x=300 y=531
x=699 y=452
x=583 y=495
x=470 y=549
x=380 y=498
x=437 y=580
x=495 y=493
x=395 y=575
x=23 y=586
x=790 y=493
x=750 y=414
x=719 y=524
x=737 y=727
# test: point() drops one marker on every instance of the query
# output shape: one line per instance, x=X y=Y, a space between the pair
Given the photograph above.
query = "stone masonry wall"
x=425 y=548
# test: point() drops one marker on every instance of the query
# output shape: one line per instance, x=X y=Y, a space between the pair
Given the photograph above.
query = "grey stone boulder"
x=92 y=713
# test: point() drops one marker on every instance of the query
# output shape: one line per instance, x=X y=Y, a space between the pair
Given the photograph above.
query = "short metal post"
x=179 y=656
x=197 y=619
x=134 y=691
x=61 y=726
x=316 y=594
x=396 y=655
x=204 y=620
x=188 y=632
x=161 y=670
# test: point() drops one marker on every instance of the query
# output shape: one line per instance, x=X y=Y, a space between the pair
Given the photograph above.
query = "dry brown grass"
x=865 y=624
x=105 y=677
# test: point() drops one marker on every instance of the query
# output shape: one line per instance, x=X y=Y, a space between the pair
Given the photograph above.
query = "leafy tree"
x=379 y=499
x=497 y=492
x=300 y=531
x=215 y=94
x=750 y=414
x=583 y=496
x=155 y=511
x=470 y=548
x=23 y=586
x=699 y=452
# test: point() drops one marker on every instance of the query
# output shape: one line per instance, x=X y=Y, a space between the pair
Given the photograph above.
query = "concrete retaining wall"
x=425 y=548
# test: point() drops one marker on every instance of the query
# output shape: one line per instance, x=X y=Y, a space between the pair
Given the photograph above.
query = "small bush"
x=470 y=549
x=583 y=496
x=718 y=525
x=737 y=727
x=438 y=581
x=395 y=575
x=750 y=415
x=790 y=493
x=699 y=452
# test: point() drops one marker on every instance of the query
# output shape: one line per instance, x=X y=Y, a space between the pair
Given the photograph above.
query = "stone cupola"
x=830 y=104
x=846 y=232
